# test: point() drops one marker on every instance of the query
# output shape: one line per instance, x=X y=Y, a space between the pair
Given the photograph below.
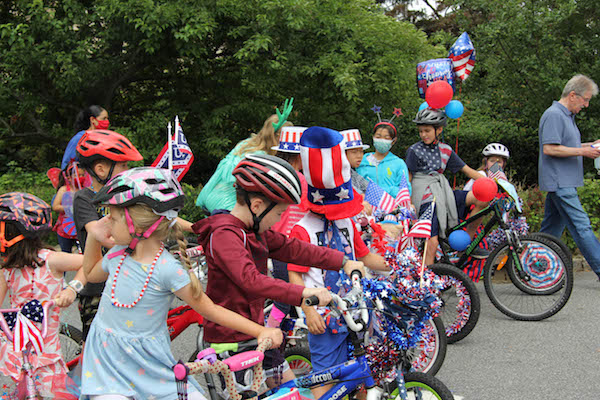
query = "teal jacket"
x=388 y=174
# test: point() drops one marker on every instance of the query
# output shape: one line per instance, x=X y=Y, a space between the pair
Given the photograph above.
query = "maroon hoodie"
x=237 y=269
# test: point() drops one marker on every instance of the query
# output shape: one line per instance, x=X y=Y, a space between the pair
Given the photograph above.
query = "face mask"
x=382 y=145
x=102 y=124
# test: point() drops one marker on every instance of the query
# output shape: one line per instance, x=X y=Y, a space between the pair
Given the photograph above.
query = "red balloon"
x=439 y=94
x=485 y=189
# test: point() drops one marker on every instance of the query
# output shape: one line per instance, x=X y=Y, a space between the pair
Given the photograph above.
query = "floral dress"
x=26 y=284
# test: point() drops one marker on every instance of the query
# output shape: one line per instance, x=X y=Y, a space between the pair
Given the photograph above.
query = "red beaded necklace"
x=114 y=283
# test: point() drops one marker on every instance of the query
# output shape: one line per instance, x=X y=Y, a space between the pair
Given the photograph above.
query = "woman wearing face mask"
x=383 y=167
x=92 y=117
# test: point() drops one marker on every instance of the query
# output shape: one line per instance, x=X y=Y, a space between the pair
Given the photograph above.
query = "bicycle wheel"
x=429 y=353
x=461 y=303
x=298 y=356
x=540 y=290
x=423 y=387
x=563 y=247
x=71 y=340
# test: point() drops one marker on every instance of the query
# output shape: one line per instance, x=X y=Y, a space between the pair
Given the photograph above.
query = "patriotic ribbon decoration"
x=25 y=331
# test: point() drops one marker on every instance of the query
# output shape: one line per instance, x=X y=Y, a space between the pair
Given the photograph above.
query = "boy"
x=237 y=246
x=332 y=202
x=427 y=160
x=103 y=154
x=355 y=150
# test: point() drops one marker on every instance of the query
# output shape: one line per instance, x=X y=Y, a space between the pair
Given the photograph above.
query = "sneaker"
x=480 y=253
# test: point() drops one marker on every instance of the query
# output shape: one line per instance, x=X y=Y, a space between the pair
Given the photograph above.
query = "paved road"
x=503 y=359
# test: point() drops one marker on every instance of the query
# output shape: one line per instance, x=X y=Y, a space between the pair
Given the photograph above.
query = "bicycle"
x=347 y=377
x=527 y=278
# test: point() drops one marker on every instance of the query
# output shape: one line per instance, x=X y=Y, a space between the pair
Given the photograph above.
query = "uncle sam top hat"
x=353 y=140
x=289 y=139
x=327 y=172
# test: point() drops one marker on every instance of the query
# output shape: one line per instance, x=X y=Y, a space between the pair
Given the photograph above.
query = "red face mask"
x=102 y=124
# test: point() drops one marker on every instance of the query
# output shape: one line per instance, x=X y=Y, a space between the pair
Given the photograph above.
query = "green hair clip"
x=282 y=117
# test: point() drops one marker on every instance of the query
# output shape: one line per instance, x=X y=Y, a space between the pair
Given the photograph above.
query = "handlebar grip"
x=311 y=301
x=355 y=272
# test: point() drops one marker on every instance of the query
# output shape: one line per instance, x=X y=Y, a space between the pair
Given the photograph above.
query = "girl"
x=70 y=181
x=383 y=167
x=493 y=153
x=92 y=117
x=31 y=271
x=127 y=354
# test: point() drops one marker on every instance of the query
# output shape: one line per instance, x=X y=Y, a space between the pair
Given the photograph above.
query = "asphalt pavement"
x=504 y=359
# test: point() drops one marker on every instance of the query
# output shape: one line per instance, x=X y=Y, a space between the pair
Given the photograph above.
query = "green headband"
x=287 y=109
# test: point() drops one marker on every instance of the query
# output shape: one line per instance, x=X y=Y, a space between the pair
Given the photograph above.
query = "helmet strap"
x=136 y=238
x=257 y=219
x=4 y=244
x=110 y=172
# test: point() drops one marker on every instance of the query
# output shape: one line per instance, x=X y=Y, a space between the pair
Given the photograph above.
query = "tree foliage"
x=222 y=65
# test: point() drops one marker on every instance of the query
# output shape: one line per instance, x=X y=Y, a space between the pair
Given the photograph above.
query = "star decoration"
x=397 y=112
x=88 y=374
x=296 y=146
x=129 y=323
x=343 y=194
x=285 y=146
x=317 y=197
x=376 y=109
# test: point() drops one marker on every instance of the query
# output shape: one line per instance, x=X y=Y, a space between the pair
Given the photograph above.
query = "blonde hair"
x=143 y=217
x=264 y=139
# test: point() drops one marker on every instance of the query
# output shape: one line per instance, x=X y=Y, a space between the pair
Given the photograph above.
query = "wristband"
x=73 y=290
x=76 y=285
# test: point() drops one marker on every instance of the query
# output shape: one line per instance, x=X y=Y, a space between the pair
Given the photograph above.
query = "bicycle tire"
x=71 y=342
x=432 y=348
x=418 y=382
x=544 y=291
x=563 y=246
x=462 y=304
x=299 y=358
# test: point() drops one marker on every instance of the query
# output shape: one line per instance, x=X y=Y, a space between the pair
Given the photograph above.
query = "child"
x=237 y=246
x=128 y=352
x=332 y=202
x=355 y=150
x=71 y=180
x=493 y=153
x=103 y=154
x=427 y=160
x=32 y=271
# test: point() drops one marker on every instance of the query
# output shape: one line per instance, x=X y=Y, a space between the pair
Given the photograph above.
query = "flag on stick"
x=422 y=228
x=403 y=196
x=176 y=155
x=379 y=198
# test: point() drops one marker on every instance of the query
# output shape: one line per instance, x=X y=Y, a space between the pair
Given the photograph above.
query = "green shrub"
x=190 y=211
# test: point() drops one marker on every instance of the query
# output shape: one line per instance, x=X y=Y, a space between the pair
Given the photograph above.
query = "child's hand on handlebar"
x=354 y=265
x=274 y=334
x=314 y=321
x=322 y=293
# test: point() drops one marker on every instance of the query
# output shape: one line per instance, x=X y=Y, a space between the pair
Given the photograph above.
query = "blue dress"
x=128 y=350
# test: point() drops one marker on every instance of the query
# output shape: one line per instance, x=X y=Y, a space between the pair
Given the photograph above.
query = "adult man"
x=560 y=168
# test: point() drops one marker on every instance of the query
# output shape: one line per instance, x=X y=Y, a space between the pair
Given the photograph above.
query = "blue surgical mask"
x=382 y=145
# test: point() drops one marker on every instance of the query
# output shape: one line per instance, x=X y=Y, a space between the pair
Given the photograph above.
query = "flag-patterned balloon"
x=462 y=54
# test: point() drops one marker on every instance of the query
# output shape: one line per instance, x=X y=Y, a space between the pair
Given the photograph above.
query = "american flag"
x=182 y=156
x=405 y=240
x=403 y=196
x=379 y=198
x=422 y=228
x=497 y=175
x=462 y=54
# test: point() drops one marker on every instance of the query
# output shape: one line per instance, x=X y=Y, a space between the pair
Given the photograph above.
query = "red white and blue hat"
x=327 y=172
x=289 y=140
x=353 y=140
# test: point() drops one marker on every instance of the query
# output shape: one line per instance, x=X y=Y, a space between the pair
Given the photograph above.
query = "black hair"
x=388 y=126
x=287 y=156
x=82 y=121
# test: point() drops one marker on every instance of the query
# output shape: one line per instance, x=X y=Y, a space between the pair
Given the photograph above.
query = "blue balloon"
x=459 y=240
x=454 y=109
x=423 y=106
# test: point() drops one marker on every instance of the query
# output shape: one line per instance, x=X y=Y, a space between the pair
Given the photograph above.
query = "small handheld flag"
x=181 y=157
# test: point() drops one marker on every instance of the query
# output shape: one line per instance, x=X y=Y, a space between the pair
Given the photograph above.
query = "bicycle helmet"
x=269 y=175
x=496 y=149
x=31 y=215
x=105 y=145
x=430 y=116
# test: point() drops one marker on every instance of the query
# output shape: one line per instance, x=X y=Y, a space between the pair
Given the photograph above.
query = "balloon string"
x=457 y=129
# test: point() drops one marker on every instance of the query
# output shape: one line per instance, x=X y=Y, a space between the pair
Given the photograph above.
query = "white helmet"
x=496 y=149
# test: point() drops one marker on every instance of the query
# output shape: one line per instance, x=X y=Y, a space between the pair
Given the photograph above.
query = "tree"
x=222 y=65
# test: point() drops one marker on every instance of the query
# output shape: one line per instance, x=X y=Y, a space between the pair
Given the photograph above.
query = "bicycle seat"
x=244 y=360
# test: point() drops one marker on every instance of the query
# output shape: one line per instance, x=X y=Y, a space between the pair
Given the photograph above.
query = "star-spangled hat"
x=353 y=140
x=289 y=140
x=327 y=172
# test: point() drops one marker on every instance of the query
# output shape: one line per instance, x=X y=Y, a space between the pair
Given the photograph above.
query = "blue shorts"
x=328 y=349
x=460 y=198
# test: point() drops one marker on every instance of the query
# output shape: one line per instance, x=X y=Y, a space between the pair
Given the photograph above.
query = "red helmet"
x=269 y=175
x=31 y=214
x=104 y=144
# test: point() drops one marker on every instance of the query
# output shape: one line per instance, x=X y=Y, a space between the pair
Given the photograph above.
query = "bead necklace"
x=114 y=283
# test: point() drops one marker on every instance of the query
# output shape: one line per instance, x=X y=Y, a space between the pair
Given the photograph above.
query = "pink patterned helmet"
x=158 y=188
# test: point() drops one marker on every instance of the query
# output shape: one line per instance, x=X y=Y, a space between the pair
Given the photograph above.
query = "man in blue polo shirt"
x=560 y=168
